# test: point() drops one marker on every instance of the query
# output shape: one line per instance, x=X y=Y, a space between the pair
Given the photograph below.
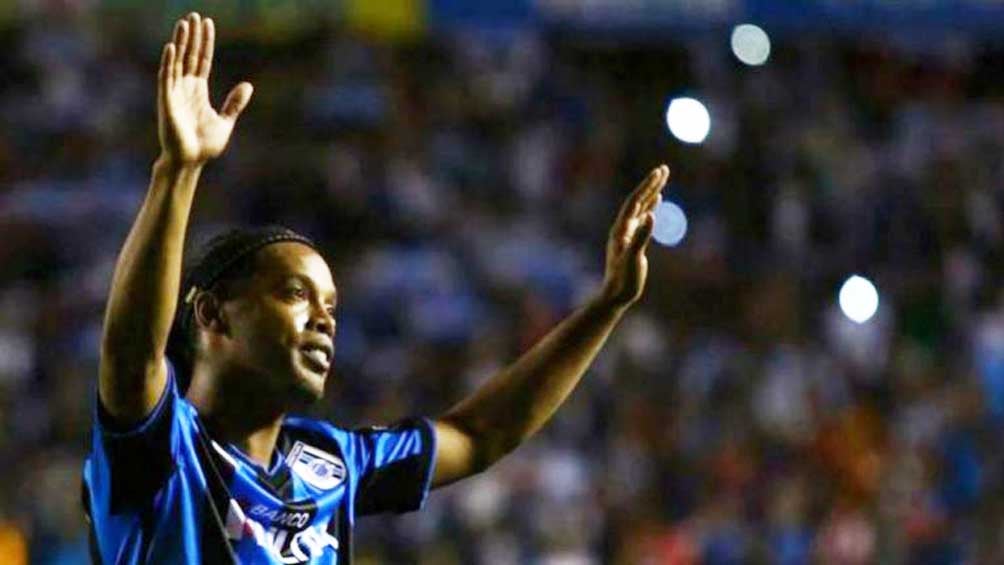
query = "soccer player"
x=195 y=458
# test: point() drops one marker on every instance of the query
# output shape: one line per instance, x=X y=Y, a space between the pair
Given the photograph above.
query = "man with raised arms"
x=196 y=456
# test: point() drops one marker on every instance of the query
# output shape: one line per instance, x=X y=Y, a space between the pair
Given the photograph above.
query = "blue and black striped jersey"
x=166 y=492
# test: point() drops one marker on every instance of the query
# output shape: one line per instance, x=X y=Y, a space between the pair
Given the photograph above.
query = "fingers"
x=237 y=100
x=208 y=44
x=642 y=201
x=180 y=41
x=194 y=40
x=194 y=51
x=655 y=196
x=652 y=193
x=628 y=206
x=652 y=184
x=634 y=226
x=165 y=76
x=642 y=235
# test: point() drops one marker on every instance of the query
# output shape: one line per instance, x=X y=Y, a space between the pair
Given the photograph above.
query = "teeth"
x=317 y=355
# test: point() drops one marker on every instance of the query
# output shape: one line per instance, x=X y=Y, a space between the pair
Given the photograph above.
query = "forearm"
x=516 y=402
x=144 y=289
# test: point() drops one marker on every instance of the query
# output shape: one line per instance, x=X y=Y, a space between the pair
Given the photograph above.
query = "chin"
x=308 y=386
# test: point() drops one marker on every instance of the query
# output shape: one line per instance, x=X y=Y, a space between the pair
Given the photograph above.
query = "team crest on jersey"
x=315 y=466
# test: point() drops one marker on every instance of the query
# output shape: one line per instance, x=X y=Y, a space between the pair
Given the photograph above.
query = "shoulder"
x=298 y=425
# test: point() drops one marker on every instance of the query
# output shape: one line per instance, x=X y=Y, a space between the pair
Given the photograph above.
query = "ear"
x=208 y=312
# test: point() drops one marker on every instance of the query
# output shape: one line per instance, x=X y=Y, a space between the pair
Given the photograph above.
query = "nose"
x=322 y=321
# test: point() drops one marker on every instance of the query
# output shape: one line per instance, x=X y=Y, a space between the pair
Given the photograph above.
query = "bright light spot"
x=750 y=44
x=670 y=224
x=858 y=299
x=688 y=120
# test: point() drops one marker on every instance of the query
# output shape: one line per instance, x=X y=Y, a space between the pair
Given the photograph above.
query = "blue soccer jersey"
x=166 y=492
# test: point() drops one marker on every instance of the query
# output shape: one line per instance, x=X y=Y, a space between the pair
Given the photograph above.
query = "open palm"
x=626 y=265
x=190 y=130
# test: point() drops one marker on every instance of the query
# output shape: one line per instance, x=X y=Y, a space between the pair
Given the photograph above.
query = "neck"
x=237 y=414
x=259 y=444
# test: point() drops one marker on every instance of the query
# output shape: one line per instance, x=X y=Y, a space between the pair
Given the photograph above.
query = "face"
x=279 y=324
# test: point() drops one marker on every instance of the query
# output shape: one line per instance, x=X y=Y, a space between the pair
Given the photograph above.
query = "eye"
x=331 y=311
x=296 y=292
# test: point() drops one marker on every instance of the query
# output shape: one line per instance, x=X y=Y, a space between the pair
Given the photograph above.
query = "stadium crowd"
x=463 y=187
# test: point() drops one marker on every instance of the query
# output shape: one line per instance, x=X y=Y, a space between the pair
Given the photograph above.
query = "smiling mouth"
x=317 y=359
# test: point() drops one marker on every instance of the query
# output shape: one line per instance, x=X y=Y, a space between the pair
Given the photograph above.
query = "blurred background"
x=461 y=164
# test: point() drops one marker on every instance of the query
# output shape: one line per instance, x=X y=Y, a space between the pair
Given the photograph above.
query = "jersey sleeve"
x=395 y=466
x=138 y=458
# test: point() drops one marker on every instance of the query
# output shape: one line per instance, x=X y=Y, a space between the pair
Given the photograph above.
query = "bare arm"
x=144 y=289
x=520 y=399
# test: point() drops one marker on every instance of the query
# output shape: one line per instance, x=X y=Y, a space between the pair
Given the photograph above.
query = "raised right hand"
x=627 y=266
x=191 y=132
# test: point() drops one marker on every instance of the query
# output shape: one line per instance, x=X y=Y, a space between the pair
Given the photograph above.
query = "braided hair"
x=219 y=261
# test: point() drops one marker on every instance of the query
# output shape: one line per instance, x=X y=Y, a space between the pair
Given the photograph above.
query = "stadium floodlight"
x=858 y=299
x=750 y=44
x=670 y=224
x=688 y=120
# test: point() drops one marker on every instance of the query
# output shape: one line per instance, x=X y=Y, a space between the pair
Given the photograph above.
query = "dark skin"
x=251 y=366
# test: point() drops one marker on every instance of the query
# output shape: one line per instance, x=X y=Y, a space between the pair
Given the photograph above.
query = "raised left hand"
x=626 y=265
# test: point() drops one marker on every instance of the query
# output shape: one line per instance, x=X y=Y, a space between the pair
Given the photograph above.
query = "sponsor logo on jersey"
x=315 y=466
x=301 y=546
x=285 y=539
x=282 y=517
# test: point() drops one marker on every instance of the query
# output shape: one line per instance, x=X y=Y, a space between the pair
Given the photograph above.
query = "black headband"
x=225 y=251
